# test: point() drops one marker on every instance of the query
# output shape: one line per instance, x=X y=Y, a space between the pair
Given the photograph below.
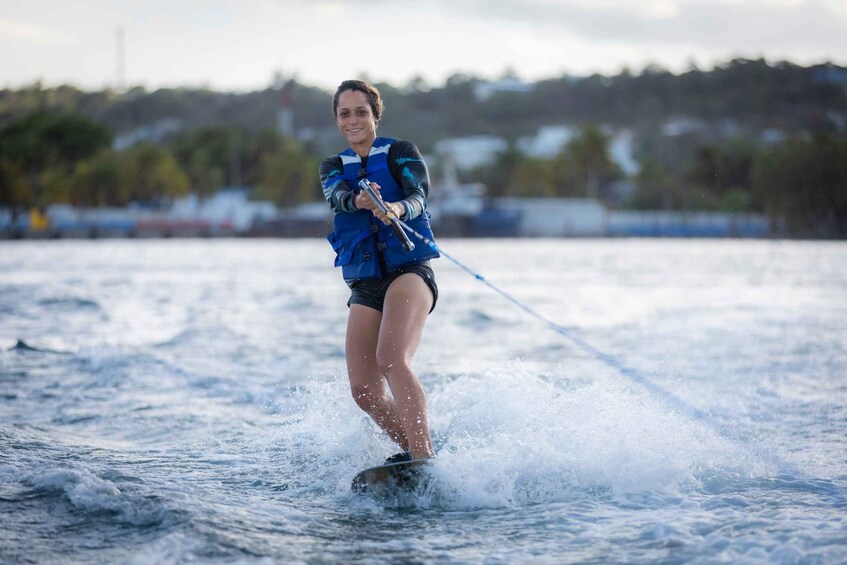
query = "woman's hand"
x=396 y=209
x=365 y=202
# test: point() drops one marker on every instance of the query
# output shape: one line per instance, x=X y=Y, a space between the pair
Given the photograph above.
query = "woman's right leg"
x=367 y=384
x=407 y=305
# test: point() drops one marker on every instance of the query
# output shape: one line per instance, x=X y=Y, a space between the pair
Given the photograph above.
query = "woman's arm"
x=409 y=170
x=336 y=191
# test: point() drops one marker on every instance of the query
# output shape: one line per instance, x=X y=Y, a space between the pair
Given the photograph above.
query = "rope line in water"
x=668 y=397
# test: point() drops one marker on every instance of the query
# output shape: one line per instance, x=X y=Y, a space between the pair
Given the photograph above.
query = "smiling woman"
x=392 y=288
x=357 y=113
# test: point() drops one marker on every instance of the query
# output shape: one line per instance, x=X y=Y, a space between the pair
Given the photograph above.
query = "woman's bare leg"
x=367 y=383
x=407 y=305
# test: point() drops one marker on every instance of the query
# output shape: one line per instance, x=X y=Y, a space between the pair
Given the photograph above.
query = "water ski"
x=393 y=477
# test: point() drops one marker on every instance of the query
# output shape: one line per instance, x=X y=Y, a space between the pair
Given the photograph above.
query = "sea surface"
x=636 y=401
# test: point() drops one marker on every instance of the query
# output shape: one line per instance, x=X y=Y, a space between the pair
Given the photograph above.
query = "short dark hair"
x=374 y=98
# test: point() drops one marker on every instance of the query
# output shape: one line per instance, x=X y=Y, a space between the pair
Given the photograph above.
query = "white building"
x=485 y=90
x=547 y=142
x=229 y=206
x=471 y=152
x=557 y=217
x=622 y=152
x=478 y=151
x=152 y=133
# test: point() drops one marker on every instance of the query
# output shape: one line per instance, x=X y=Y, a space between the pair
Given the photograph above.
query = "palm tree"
x=587 y=162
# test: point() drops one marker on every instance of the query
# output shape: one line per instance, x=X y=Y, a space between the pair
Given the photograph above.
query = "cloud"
x=728 y=24
x=28 y=32
x=225 y=44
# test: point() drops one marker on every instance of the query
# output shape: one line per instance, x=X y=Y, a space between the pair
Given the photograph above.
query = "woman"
x=392 y=290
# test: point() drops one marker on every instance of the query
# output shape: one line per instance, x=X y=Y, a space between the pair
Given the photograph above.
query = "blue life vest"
x=364 y=246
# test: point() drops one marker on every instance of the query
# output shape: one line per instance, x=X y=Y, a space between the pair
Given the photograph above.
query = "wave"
x=32 y=471
x=513 y=438
x=70 y=304
x=23 y=347
x=193 y=336
x=478 y=319
x=92 y=494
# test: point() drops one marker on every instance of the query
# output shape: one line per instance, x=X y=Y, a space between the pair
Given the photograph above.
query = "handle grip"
x=365 y=185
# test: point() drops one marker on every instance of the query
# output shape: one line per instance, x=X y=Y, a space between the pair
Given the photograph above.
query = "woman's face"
x=355 y=118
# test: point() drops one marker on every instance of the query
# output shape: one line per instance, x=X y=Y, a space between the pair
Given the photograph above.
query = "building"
x=471 y=152
x=557 y=217
x=508 y=84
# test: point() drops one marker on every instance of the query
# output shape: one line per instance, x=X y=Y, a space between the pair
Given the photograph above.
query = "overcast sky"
x=239 y=45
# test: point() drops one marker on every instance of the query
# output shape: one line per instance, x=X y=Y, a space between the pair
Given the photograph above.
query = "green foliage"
x=721 y=173
x=735 y=200
x=47 y=157
x=149 y=174
x=40 y=139
x=286 y=172
x=804 y=181
x=211 y=157
x=44 y=146
x=755 y=93
x=655 y=188
x=499 y=177
x=533 y=178
x=583 y=168
x=54 y=142
x=586 y=164
x=14 y=184
x=98 y=181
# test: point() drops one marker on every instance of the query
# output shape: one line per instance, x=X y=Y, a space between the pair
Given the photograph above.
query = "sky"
x=245 y=45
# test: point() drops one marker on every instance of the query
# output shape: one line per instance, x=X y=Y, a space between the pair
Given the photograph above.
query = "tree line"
x=800 y=183
x=59 y=157
x=56 y=143
x=756 y=93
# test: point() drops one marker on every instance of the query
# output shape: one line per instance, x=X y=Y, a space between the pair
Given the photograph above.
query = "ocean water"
x=180 y=401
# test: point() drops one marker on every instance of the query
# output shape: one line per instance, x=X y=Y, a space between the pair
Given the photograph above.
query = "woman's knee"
x=390 y=363
x=366 y=397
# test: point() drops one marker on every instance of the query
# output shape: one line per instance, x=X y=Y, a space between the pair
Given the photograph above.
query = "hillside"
x=747 y=135
x=754 y=94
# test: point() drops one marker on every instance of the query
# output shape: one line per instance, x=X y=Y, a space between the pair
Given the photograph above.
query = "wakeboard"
x=404 y=476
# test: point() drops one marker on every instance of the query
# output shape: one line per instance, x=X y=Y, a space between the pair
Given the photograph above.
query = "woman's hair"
x=374 y=99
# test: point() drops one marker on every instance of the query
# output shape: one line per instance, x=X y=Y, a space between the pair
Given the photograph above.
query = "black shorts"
x=371 y=292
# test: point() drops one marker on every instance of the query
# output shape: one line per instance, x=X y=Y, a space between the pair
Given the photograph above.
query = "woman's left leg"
x=407 y=305
x=367 y=384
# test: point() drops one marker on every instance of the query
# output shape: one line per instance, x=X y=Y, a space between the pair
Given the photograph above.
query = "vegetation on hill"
x=755 y=136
